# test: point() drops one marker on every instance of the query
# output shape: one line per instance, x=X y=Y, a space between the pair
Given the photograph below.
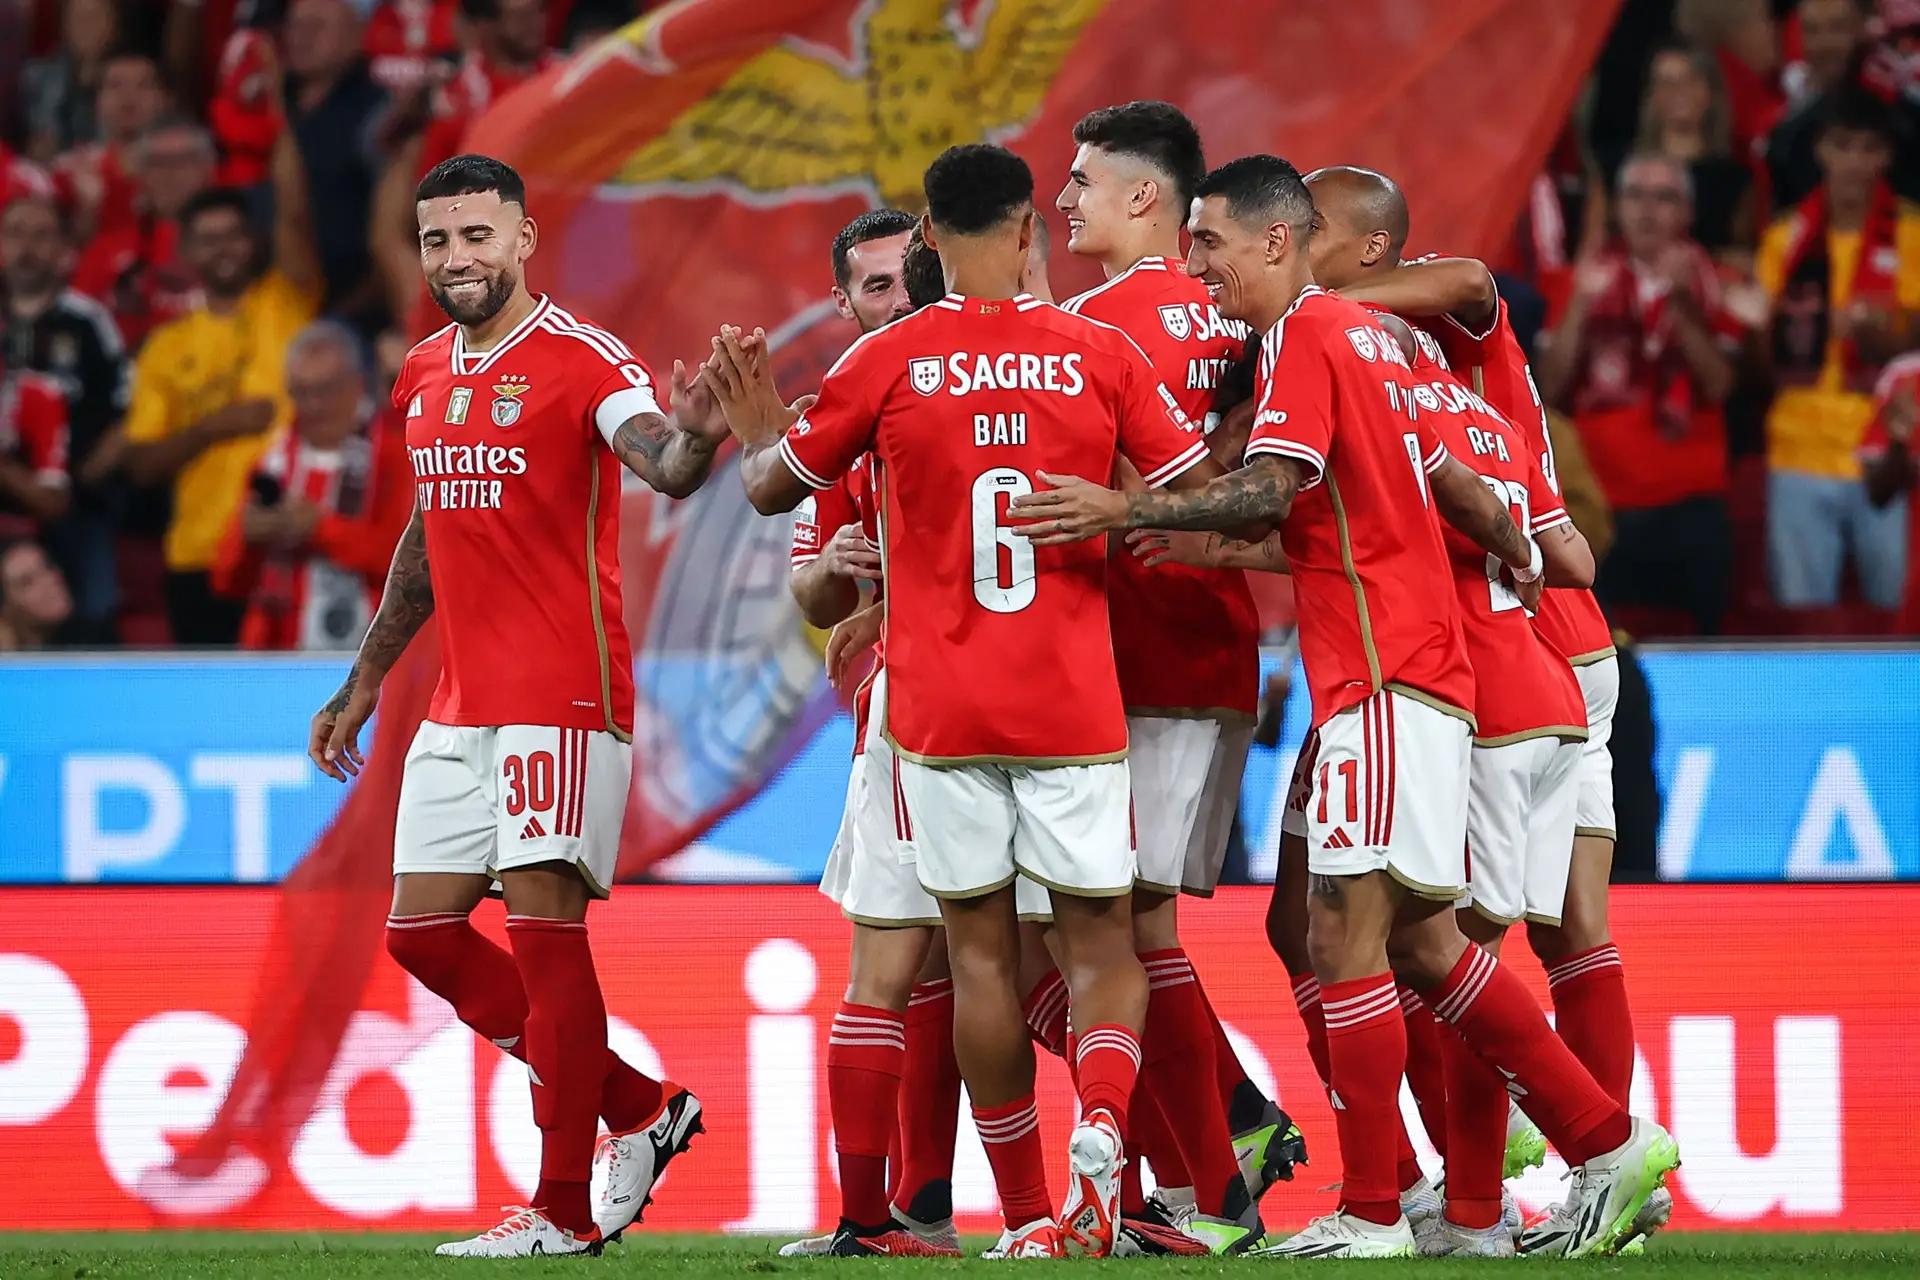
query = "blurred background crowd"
x=208 y=278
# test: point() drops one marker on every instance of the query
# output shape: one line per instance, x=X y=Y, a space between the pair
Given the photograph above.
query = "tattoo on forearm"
x=405 y=605
x=671 y=460
x=1262 y=490
x=1502 y=536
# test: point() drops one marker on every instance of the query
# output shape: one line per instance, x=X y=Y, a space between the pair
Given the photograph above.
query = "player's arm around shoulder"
x=333 y=742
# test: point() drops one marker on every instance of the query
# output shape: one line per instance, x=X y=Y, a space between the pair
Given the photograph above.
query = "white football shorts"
x=1293 y=819
x=1520 y=809
x=1600 y=682
x=1186 y=790
x=1389 y=793
x=481 y=800
x=976 y=828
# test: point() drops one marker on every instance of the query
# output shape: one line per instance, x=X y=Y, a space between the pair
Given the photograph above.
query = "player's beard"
x=499 y=289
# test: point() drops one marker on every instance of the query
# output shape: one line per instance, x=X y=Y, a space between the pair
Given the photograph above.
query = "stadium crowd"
x=206 y=241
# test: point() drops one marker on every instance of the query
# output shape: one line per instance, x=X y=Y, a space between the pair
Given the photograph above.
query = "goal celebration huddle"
x=1037 y=518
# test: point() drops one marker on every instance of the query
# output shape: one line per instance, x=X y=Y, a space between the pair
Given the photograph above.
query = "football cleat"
x=1269 y=1150
x=526 y=1233
x=1147 y=1238
x=1608 y=1198
x=941 y=1235
x=895 y=1242
x=1171 y=1205
x=1510 y=1217
x=1450 y=1240
x=1341 y=1235
x=1526 y=1145
x=1421 y=1204
x=1653 y=1216
x=1041 y=1238
x=1095 y=1156
x=811 y=1247
x=629 y=1165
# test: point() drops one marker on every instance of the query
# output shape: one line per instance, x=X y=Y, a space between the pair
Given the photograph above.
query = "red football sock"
x=929 y=1092
x=1179 y=1070
x=1426 y=1070
x=866 y=1053
x=1590 y=1012
x=1228 y=1072
x=1147 y=1126
x=567 y=1056
x=1011 y=1135
x=1367 y=1050
x=1476 y=1109
x=1306 y=998
x=1106 y=1067
x=479 y=979
x=1490 y=1008
x=1046 y=1008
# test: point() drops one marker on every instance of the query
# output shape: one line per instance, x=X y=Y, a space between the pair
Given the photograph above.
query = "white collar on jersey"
x=958 y=302
x=470 y=363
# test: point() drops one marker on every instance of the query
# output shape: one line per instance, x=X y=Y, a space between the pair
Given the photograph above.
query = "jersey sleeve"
x=832 y=434
x=1295 y=398
x=818 y=518
x=1548 y=511
x=624 y=392
x=1155 y=435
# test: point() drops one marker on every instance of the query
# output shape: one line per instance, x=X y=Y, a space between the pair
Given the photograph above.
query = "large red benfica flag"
x=692 y=170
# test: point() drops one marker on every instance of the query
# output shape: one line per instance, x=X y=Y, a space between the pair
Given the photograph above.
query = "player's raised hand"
x=696 y=410
x=851 y=554
x=742 y=380
x=333 y=741
x=851 y=637
x=1072 y=511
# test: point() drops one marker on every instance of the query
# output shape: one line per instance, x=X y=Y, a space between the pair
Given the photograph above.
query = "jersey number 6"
x=1002 y=557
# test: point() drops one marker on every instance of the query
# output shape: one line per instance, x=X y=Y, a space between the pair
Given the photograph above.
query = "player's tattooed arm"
x=674 y=457
x=1075 y=509
x=405 y=605
x=1469 y=506
x=1566 y=555
x=1209 y=550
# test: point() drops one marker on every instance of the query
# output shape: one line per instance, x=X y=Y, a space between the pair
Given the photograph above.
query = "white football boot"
x=1340 y=1235
x=526 y=1233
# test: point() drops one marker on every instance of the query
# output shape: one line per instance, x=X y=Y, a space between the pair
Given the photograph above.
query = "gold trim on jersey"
x=593 y=600
x=1034 y=917
x=1052 y=887
x=1588 y=659
x=1192 y=892
x=1441 y=705
x=1598 y=833
x=875 y=922
x=1164 y=890
x=1353 y=579
x=1225 y=715
x=1535 y=917
x=967 y=895
x=1011 y=762
x=1564 y=732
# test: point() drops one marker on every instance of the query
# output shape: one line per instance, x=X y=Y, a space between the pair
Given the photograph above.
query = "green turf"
x=221 y=1256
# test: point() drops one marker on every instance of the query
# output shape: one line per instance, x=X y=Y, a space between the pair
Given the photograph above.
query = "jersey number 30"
x=1002 y=557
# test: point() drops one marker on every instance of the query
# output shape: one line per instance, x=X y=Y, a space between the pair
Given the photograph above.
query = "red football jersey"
x=846 y=501
x=1523 y=688
x=404 y=36
x=521 y=498
x=997 y=650
x=1369 y=568
x=33 y=425
x=1184 y=639
x=1494 y=366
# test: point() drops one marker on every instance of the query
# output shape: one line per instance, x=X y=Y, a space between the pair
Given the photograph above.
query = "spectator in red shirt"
x=405 y=37
x=96 y=181
x=309 y=551
x=33 y=452
x=136 y=268
x=1638 y=354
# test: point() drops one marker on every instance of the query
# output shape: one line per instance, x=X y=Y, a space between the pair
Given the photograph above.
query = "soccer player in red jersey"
x=1343 y=456
x=519 y=417
x=1186 y=645
x=1468 y=319
x=1002 y=708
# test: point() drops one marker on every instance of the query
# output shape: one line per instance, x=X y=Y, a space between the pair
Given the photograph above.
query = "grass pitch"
x=291 y=1256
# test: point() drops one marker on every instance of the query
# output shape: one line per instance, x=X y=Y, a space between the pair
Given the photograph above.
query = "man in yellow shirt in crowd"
x=1842 y=273
x=208 y=386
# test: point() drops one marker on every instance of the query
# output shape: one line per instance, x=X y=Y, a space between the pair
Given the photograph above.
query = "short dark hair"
x=922 y=274
x=1858 y=110
x=472 y=175
x=874 y=224
x=1262 y=186
x=976 y=187
x=214 y=199
x=1158 y=133
x=479 y=11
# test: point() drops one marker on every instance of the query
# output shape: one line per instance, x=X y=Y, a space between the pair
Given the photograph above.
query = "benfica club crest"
x=1175 y=320
x=506 y=405
x=1363 y=342
x=927 y=373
